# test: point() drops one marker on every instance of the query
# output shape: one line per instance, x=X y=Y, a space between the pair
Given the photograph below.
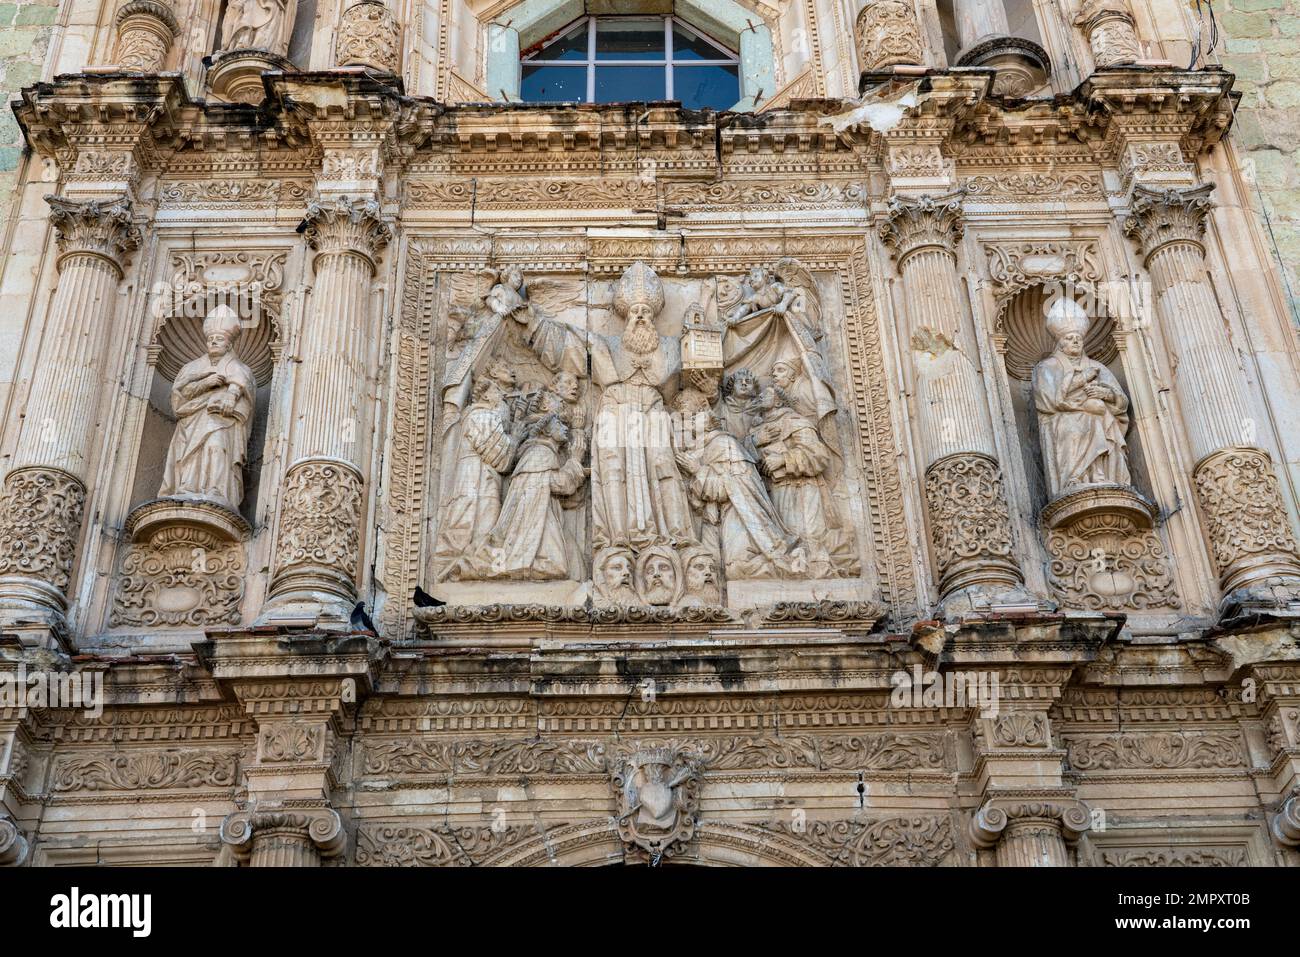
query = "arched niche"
x=250 y=284
x=1023 y=339
x=519 y=27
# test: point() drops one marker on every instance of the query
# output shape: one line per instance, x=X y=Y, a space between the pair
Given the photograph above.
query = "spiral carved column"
x=969 y=520
x=1250 y=535
x=44 y=493
x=318 y=544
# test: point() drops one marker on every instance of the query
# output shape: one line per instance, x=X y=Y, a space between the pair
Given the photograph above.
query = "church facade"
x=644 y=432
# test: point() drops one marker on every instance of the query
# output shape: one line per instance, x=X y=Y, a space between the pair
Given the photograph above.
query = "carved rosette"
x=369 y=35
x=284 y=838
x=930 y=222
x=145 y=31
x=318 y=546
x=346 y=227
x=40 y=519
x=1036 y=834
x=969 y=522
x=888 y=35
x=1111 y=32
x=100 y=228
x=1248 y=529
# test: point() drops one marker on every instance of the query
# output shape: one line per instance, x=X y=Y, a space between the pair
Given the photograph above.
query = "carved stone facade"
x=438 y=480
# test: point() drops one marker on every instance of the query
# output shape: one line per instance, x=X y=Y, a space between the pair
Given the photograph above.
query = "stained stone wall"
x=902 y=473
x=1260 y=38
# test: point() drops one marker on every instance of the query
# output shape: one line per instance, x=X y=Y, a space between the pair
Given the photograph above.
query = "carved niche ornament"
x=677 y=469
x=1105 y=551
x=658 y=793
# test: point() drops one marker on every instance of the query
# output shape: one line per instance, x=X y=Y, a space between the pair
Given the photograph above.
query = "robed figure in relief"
x=638 y=496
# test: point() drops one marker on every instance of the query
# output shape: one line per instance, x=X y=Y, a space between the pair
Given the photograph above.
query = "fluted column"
x=969 y=521
x=44 y=493
x=321 y=503
x=1250 y=535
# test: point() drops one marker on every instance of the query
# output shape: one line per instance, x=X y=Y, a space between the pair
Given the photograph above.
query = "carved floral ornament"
x=40 y=519
x=931 y=222
x=369 y=35
x=145 y=31
x=1162 y=217
x=346 y=226
x=101 y=228
x=888 y=34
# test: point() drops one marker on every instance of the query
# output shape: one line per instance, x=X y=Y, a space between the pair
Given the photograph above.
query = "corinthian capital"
x=1161 y=217
x=94 y=227
x=346 y=226
x=931 y=221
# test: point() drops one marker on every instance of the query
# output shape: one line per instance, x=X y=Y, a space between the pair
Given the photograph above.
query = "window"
x=622 y=59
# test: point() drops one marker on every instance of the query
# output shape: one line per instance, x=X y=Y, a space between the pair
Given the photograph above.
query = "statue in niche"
x=213 y=400
x=638 y=496
x=701 y=570
x=613 y=577
x=482 y=453
x=796 y=460
x=254 y=25
x=1082 y=410
x=528 y=540
x=738 y=514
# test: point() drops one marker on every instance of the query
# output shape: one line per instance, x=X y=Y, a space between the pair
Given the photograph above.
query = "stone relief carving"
x=1111 y=32
x=40 y=518
x=145 y=31
x=256 y=25
x=887 y=842
x=669 y=470
x=887 y=34
x=658 y=792
x=404 y=845
x=1176 y=857
x=369 y=36
x=1167 y=750
x=968 y=508
x=146 y=770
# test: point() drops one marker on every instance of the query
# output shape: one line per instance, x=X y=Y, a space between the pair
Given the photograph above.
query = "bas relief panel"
x=641 y=441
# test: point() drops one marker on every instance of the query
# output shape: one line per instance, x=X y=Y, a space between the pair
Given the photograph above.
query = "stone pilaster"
x=1250 y=536
x=44 y=493
x=322 y=500
x=969 y=521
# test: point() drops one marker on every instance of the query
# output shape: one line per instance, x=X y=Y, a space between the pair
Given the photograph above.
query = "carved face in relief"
x=614 y=577
x=640 y=335
x=741 y=384
x=565 y=385
x=784 y=374
x=758 y=278
x=702 y=575
x=659 y=576
x=503 y=300
x=219 y=343
x=1071 y=344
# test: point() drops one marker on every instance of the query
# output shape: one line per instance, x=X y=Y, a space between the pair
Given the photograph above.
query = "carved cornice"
x=1163 y=217
x=930 y=222
x=100 y=228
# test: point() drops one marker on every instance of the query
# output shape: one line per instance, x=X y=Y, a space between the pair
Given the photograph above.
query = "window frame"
x=667 y=63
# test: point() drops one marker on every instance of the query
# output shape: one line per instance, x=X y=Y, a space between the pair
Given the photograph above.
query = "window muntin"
x=621 y=59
